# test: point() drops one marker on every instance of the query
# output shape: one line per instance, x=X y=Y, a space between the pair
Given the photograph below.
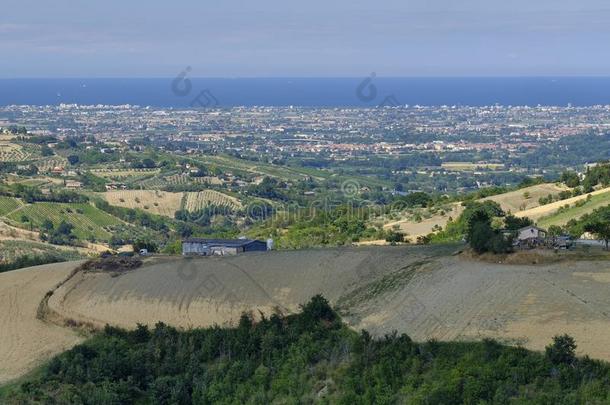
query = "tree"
x=395 y=237
x=570 y=179
x=554 y=230
x=598 y=223
x=482 y=237
x=73 y=159
x=47 y=225
x=480 y=233
x=562 y=350
x=148 y=244
x=514 y=223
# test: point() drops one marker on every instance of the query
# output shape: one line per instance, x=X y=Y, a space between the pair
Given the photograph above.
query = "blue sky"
x=230 y=38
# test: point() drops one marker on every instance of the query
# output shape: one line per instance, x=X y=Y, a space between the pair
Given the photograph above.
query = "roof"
x=531 y=227
x=222 y=242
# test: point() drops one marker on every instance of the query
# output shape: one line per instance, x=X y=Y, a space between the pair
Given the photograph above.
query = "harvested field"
x=424 y=291
x=525 y=198
x=155 y=202
x=166 y=203
x=27 y=341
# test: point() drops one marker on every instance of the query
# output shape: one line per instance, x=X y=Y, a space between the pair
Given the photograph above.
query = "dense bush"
x=30 y=260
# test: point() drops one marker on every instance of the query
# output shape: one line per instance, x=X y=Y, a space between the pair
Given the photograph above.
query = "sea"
x=366 y=91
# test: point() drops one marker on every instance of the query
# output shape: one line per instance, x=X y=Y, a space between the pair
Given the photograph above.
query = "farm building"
x=222 y=247
x=530 y=236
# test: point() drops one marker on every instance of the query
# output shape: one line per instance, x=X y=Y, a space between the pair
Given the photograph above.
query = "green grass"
x=87 y=220
x=8 y=204
x=574 y=212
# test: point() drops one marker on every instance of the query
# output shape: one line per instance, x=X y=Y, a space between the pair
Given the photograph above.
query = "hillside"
x=525 y=198
x=575 y=210
x=308 y=357
x=425 y=224
x=166 y=203
x=418 y=290
x=603 y=196
x=27 y=341
x=422 y=291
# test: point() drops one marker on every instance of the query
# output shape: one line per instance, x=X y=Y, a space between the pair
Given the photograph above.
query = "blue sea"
x=314 y=92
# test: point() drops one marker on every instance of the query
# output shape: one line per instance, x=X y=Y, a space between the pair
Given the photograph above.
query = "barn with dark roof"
x=222 y=247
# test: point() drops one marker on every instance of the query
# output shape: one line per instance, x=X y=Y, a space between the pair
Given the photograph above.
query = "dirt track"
x=423 y=291
x=24 y=340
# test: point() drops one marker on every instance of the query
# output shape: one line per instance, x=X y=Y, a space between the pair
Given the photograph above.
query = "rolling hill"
x=424 y=291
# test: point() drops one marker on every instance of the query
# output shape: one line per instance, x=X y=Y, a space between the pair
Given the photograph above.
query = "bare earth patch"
x=26 y=341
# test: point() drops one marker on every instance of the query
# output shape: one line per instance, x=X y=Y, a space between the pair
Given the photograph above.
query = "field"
x=166 y=203
x=8 y=204
x=422 y=291
x=48 y=164
x=87 y=220
x=13 y=249
x=27 y=341
x=125 y=174
x=549 y=209
x=180 y=179
x=414 y=228
x=575 y=211
x=525 y=198
x=197 y=200
x=468 y=166
x=286 y=172
x=155 y=202
x=10 y=152
x=159 y=181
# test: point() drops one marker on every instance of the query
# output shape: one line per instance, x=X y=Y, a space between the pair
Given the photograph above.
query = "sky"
x=313 y=38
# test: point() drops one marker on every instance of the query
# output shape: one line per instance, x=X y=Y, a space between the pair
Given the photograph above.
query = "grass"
x=575 y=211
x=14 y=249
x=88 y=221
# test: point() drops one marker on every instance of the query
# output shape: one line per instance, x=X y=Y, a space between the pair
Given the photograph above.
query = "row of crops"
x=12 y=153
x=8 y=204
x=88 y=221
x=46 y=165
x=158 y=182
x=195 y=201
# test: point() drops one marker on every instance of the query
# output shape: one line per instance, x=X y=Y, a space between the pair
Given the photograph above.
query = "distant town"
x=449 y=148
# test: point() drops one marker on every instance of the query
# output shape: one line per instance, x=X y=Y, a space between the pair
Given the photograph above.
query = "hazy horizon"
x=237 y=38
